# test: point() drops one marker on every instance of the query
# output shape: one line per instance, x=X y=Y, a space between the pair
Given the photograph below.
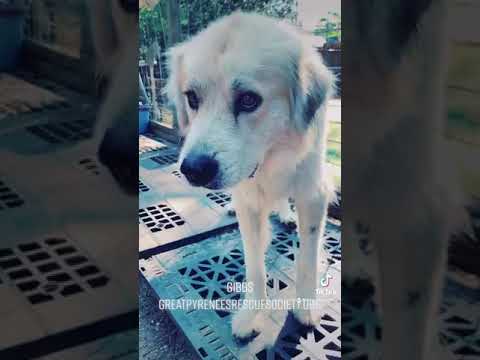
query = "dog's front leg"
x=253 y=223
x=312 y=258
x=412 y=255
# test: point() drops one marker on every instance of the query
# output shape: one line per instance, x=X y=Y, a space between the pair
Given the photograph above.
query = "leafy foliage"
x=191 y=16
x=330 y=28
x=197 y=14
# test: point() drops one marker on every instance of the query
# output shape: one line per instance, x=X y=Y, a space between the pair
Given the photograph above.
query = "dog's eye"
x=247 y=102
x=130 y=6
x=192 y=99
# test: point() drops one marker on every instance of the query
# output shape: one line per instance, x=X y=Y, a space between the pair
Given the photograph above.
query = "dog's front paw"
x=246 y=324
x=288 y=218
x=285 y=213
x=230 y=209
x=306 y=317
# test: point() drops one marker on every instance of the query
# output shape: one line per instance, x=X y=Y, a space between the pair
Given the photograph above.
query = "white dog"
x=250 y=94
x=398 y=184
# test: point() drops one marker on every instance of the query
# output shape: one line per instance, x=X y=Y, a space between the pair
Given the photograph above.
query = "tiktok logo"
x=325 y=281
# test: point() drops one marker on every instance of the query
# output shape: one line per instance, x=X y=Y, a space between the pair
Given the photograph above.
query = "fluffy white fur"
x=277 y=61
x=400 y=184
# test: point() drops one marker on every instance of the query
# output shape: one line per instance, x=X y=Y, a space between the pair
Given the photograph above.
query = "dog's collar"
x=253 y=172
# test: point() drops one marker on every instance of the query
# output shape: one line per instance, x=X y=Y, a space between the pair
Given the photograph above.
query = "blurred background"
x=69 y=237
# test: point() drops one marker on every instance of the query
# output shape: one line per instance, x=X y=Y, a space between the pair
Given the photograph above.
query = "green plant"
x=329 y=27
x=194 y=15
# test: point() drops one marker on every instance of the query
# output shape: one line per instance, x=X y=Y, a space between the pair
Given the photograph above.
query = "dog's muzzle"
x=253 y=172
x=200 y=170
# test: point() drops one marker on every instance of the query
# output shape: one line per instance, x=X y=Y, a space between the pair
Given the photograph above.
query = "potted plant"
x=143 y=108
x=143 y=117
x=12 y=13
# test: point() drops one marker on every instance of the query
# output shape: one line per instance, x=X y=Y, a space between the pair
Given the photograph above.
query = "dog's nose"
x=199 y=170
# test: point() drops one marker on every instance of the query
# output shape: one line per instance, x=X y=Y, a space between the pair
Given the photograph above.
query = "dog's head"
x=239 y=86
x=114 y=31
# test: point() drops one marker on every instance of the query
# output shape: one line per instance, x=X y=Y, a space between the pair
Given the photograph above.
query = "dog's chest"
x=276 y=177
x=262 y=191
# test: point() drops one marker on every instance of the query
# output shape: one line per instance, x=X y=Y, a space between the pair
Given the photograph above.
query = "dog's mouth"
x=217 y=184
x=214 y=185
x=253 y=172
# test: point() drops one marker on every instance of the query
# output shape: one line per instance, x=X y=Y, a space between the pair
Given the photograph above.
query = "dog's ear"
x=173 y=89
x=314 y=85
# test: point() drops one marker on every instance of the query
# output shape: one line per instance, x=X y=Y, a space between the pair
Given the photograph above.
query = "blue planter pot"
x=11 y=28
x=143 y=118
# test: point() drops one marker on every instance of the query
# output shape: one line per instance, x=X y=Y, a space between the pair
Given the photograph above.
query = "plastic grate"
x=460 y=329
x=147 y=145
x=90 y=166
x=362 y=331
x=333 y=245
x=45 y=97
x=147 y=149
x=9 y=198
x=142 y=187
x=209 y=277
x=160 y=218
x=62 y=132
x=220 y=198
x=165 y=159
x=177 y=173
x=49 y=269
x=323 y=339
x=285 y=242
x=202 y=271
